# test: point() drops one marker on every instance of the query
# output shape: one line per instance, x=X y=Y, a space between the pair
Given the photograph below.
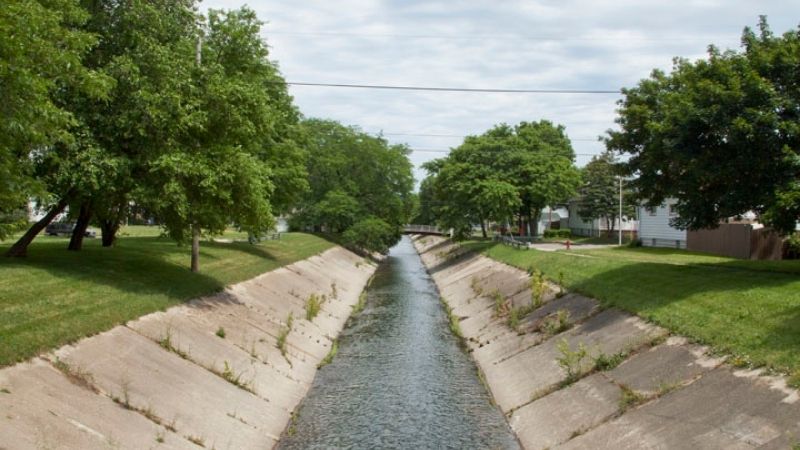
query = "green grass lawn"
x=53 y=296
x=750 y=309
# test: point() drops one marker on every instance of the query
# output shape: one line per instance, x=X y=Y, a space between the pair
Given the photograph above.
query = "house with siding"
x=596 y=227
x=654 y=227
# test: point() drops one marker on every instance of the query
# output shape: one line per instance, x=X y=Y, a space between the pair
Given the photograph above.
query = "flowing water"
x=400 y=379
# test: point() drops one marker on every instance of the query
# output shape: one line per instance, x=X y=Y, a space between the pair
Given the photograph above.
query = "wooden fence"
x=737 y=240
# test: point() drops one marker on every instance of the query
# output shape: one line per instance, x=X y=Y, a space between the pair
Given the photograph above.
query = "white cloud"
x=569 y=44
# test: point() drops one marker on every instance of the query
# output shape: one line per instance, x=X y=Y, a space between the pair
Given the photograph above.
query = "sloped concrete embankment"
x=636 y=387
x=225 y=371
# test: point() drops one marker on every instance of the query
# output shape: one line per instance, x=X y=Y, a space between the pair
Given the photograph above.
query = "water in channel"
x=400 y=379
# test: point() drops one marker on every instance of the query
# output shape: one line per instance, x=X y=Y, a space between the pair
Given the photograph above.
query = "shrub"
x=313 y=306
x=371 y=235
x=570 y=360
x=550 y=234
x=635 y=243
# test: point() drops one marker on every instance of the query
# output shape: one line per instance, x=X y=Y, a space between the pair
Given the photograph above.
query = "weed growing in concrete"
x=166 y=344
x=362 y=302
x=500 y=306
x=196 y=440
x=630 y=398
x=556 y=323
x=76 y=375
x=665 y=388
x=221 y=332
x=538 y=287
x=607 y=362
x=292 y=429
x=231 y=377
x=5 y=391
x=331 y=354
x=516 y=314
x=452 y=319
x=313 y=305
x=475 y=284
x=334 y=291
x=283 y=334
x=160 y=436
x=570 y=360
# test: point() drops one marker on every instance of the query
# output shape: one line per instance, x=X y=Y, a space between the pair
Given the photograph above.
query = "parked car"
x=65 y=228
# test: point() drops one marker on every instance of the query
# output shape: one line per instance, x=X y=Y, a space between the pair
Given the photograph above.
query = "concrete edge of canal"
x=572 y=374
x=224 y=371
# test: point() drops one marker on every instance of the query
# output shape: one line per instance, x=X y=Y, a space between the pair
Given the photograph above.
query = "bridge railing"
x=422 y=229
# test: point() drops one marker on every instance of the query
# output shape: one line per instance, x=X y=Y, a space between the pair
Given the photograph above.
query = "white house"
x=596 y=227
x=654 y=227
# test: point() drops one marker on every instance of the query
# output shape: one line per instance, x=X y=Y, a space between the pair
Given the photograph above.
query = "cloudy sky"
x=506 y=44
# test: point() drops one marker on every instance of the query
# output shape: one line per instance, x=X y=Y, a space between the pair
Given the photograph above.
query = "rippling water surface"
x=400 y=379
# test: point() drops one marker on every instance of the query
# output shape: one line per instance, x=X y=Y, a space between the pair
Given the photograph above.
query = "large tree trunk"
x=483 y=229
x=195 y=249
x=84 y=216
x=20 y=248
x=109 y=229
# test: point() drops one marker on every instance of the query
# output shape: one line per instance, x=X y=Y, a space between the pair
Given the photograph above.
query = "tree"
x=353 y=176
x=371 y=235
x=721 y=135
x=505 y=172
x=218 y=173
x=599 y=193
x=41 y=47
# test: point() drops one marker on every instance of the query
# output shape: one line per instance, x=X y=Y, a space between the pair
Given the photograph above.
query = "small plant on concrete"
x=313 y=305
x=607 y=362
x=220 y=332
x=538 y=287
x=160 y=436
x=570 y=360
x=513 y=318
x=665 y=388
x=500 y=306
x=331 y=354
x=334 y=291
x=475 y=284
x=283 y=334
x=76 y=375
x=452 y=319
x=557 y=323
x=630 y=398
x=362 y=302
x=196 y=440
x=5 y=391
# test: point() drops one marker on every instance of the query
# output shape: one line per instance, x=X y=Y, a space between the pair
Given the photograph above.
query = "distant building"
x=654 y=227
x=597 y=227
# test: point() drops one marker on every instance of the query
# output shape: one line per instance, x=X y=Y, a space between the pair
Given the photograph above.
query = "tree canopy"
x=505 y=173
x=721 y=135
x=354 y=177
x=599 y=192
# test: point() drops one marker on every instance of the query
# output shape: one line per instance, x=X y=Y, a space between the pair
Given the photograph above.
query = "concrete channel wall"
x=174 y=379
x=636 y=387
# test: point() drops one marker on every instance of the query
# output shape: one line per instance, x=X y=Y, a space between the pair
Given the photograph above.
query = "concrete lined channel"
x=400 y=379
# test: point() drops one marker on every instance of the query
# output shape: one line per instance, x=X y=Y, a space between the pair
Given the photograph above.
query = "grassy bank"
x=750 y=309
x=53 y=296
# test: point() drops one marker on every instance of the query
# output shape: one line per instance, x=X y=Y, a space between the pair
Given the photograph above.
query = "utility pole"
x=620 y=210
x=195 y=265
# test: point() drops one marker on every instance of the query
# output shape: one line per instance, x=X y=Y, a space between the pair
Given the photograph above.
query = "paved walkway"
x=657 y=391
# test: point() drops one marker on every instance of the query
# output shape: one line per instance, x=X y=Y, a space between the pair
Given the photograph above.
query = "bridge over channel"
x=424 y=229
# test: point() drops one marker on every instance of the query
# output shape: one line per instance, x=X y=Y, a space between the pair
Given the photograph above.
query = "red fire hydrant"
x=567 y=243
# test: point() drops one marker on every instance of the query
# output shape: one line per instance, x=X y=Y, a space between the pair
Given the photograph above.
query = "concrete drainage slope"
x=206 y=374
x=634 y=388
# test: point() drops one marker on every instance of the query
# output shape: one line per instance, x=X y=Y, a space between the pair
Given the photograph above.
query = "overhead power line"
x=455 y=89
x=458 y=136
x=438 y=150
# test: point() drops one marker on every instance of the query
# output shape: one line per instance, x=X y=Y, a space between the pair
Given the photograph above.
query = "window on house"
x=673 y=211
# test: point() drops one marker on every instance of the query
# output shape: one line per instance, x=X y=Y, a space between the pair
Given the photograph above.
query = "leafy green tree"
x=721 y=135
x=505 y=172
x=41 y=47
x=353 y=176
x=599 y=193
x=371 y=235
